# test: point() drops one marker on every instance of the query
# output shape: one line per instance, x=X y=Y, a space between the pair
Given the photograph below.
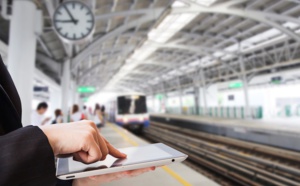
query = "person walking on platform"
x=104 y=116
x=76 y=114
x=37 y=116
x=58 y=117
x=27 y=153
x=84 y=112
x=98 y=119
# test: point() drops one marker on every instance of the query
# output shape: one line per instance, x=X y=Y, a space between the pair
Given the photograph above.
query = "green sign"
x=85 y=99
x=159 y=96
x=236 y=85
x=86 y=89
x=276 y=81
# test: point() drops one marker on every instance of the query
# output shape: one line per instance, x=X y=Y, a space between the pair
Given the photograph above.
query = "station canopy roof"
x=159 y=45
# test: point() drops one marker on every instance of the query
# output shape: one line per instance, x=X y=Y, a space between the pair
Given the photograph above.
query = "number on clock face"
x=73 y=20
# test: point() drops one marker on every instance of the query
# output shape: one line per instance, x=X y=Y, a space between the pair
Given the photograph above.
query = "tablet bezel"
x=63 y=164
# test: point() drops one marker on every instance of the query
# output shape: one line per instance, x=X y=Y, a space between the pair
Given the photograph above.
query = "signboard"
x=85 y=99
x=230 y=97
x=276 y=80
x=40 y=89
x=86 y=89
x=159 y=96
x=236 y=85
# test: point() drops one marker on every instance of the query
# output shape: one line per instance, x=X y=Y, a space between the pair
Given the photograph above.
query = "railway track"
x=229 y=161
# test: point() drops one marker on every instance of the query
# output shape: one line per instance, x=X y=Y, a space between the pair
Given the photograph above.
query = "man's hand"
x=106 y=178
x=81 y=139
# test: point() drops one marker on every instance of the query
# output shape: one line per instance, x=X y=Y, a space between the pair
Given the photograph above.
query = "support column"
x=180 y=101
x=55 y=100
x=65 y=84
x=245 y=88
x=153 y=103
x=21 y=52
x=196 y=96
x=180 y=96
x=165 y=98
x=74 y=94
x=203 y=80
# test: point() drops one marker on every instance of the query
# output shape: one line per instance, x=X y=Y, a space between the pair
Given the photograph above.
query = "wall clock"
x=74 y=21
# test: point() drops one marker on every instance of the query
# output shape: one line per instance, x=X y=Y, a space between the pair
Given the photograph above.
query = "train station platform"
x=176 y=174
x=280 y=134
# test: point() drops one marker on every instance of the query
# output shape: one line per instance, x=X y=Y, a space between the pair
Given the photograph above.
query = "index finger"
x=113 y=151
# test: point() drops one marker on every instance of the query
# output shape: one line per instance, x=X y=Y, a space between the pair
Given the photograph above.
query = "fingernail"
x=153 y=168
x=124 y=154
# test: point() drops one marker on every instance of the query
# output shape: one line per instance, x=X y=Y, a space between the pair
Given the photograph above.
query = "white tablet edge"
x=122 y=168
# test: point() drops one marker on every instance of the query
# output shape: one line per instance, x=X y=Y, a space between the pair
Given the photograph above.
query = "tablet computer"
x=137 y=157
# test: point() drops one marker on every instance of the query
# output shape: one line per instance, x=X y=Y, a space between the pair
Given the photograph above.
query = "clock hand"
x=65 y=21
x=71 y=16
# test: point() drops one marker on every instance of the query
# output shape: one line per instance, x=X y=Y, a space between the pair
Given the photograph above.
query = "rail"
x=237 y=162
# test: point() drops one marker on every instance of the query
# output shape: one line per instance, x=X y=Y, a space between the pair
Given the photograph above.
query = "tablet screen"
x=135 y=155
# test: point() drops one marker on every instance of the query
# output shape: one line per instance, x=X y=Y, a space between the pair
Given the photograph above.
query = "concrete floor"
x=176 y=174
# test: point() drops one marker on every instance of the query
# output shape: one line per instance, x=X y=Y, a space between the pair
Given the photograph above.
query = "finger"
x=108 y=177
x=115 y=152
x=100 y=141
x=90 y=152
x=137 y=172
x=96 y=138
x=103 y=146
x=94 y=131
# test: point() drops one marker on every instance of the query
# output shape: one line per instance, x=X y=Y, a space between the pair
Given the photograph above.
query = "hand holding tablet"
x=137 y=158
x=106 y=178
x=95 y=156
x=82 y=139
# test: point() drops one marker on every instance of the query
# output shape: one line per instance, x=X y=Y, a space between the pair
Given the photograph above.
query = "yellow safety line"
x=176 y=176
x=165 y=168
x=132 y=142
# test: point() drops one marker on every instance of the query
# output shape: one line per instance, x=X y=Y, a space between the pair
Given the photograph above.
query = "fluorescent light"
x=178 y=4
x=170 y=26
x=290 y=25
x=143 y=52
x=218 y=54
x=205 y=2
x=194 y=63
x=260 y=39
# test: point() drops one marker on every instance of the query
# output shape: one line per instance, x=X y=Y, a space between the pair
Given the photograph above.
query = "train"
x=130 y=111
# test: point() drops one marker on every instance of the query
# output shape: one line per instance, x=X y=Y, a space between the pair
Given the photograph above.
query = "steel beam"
x=44 y=46
x=53 y=65
x=263 y=17
x=200 y=50
x=93 y=46
x=126 y=13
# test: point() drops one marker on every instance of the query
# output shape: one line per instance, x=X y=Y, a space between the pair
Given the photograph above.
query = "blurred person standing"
x=37 y=116
x=104 y=116
x=86 y=114
x=58 y=117
x=76 y=114
x=98 y=119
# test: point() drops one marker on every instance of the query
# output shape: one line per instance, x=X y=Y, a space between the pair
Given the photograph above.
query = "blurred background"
x=221 y=67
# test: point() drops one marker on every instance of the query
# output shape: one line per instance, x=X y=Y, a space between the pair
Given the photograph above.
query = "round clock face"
x=73 y=20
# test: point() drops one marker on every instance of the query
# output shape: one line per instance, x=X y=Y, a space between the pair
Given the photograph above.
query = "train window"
x=140 y=105
x=123 y=105
x=132 y=105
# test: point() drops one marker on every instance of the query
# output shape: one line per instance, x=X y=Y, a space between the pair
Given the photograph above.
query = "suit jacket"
x=26 y=157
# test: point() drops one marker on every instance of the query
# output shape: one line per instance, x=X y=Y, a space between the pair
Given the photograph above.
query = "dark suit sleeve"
x=26 y=158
